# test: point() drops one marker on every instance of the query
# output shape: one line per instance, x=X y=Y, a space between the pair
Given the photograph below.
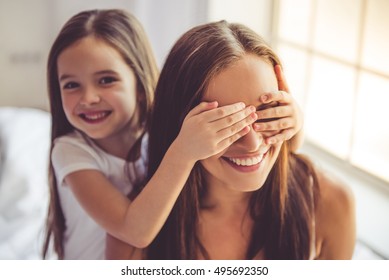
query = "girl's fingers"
x=203 y=106
x=280 y=124
x=226 y=142
x=279 y=96
x=237 y=127
x=282 y=84
x=275 y=112
x=231 y=120
x=224 y=111
x=282 y=136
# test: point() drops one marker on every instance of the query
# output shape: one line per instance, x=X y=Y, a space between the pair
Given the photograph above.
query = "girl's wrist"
x=178 y=155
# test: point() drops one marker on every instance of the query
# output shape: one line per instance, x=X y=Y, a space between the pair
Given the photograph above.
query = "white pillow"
x=25 y=141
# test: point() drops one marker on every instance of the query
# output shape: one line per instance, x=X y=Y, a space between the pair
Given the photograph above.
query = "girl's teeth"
x=247 y=161
x=95 y=116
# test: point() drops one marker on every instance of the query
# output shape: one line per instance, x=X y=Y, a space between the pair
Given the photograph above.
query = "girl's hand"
x=281 y=119
x=209 y=129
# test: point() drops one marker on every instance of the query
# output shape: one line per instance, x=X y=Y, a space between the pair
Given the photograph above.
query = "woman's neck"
x=225 y=225
x=225 y=201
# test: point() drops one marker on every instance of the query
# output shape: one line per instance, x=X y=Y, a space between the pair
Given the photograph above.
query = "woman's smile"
x=246 y=163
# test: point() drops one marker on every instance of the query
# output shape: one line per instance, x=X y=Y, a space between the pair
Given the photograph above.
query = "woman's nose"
x=251 y=141
x=90 y=96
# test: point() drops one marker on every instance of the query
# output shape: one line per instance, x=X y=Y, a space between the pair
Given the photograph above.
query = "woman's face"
x=245 y=165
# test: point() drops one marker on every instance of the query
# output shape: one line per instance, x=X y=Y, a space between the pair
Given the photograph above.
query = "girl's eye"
x=107 y=80
x=71 y=85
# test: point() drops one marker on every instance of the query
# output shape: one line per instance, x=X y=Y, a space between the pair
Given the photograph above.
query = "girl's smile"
x=95 y=117
x=98 y=91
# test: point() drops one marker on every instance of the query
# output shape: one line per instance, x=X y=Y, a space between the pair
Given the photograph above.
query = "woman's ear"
x=282 y=84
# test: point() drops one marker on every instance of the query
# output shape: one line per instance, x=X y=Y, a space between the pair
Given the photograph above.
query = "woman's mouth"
x=245 y=164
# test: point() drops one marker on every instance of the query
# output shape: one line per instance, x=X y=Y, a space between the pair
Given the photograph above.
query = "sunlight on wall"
x=255 y=14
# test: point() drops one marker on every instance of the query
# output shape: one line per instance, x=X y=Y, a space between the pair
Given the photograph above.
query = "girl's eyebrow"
x=64 y=77
x=102 y=72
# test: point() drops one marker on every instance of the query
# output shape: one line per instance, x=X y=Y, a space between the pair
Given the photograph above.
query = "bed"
x=24 y=149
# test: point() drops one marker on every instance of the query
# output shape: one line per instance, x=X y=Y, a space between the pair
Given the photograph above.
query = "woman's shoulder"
x=335 y=217
x=334 y=192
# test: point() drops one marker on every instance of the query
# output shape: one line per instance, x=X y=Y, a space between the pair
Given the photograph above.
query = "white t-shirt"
x=83 y=237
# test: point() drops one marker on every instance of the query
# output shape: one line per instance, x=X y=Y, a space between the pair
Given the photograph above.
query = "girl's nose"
x=251 y=141
x=89 y=97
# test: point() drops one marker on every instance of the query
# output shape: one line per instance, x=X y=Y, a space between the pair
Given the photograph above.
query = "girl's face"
x=98 y=89
x=245 y=165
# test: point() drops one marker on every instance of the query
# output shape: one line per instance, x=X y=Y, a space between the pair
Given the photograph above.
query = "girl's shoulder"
x=74 y=137
x=335 y=217
x=73 y=152
x=77 y=144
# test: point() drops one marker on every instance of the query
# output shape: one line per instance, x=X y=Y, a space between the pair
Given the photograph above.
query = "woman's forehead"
x=245 y=80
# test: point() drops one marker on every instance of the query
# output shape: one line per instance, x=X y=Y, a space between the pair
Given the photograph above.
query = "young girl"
x=254 y=199
x=101 y=78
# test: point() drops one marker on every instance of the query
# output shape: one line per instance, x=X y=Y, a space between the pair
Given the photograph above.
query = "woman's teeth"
x=247 y=161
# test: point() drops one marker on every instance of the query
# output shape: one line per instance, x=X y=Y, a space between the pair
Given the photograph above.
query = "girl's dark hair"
x=122 y=31
x=283 y=209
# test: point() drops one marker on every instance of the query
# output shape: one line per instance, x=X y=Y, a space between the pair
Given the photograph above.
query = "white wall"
x=256 y=14
x=23 y=47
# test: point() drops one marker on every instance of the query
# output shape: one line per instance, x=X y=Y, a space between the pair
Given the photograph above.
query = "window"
x=336 y=59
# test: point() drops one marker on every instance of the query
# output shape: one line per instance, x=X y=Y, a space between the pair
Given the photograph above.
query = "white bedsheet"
x=24 y=144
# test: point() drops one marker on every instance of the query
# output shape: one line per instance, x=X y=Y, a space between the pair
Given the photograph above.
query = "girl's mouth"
x=95 y=117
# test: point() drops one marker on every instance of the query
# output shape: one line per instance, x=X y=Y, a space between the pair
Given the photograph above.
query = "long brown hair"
x=122 y=31
x=283 y=209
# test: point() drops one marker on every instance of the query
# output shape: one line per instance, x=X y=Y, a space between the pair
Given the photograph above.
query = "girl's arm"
x=206 y=130
x=116 y=249
x=288 y=116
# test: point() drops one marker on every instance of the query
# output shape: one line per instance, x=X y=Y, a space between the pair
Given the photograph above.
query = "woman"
x=254 y=200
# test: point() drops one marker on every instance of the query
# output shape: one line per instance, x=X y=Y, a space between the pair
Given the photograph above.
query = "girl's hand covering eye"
x=281 y=117
x=209 y=129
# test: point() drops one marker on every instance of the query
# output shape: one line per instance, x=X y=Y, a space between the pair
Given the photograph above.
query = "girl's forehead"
x=245 y=80
x=89 y=54
x=88 y=43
